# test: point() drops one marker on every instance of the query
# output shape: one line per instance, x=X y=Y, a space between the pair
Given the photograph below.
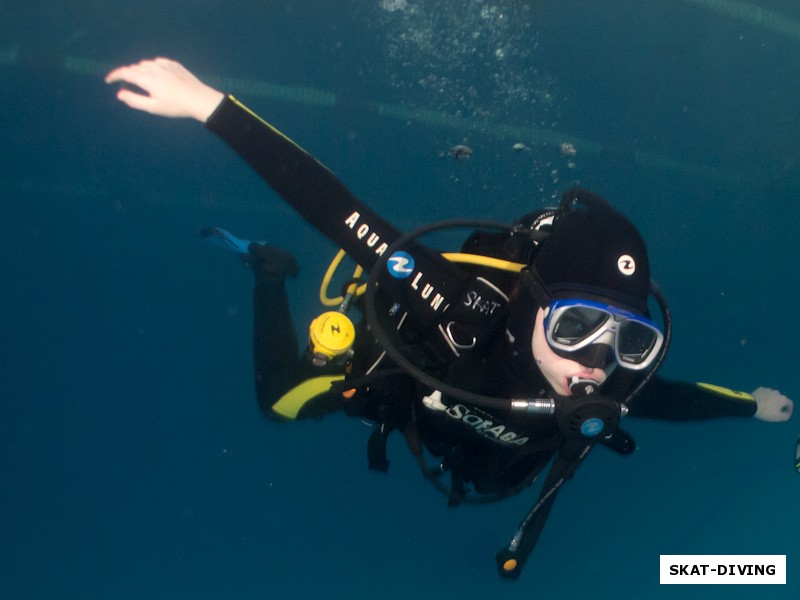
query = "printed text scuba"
x=480 y=422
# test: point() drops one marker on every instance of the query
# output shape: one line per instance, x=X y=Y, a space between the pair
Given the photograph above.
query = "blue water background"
x=134 y=461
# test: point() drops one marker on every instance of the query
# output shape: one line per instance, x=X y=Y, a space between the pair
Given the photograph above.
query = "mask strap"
x=535 y=286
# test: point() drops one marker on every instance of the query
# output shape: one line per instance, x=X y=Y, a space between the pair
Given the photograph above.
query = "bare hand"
x=772 y=405
x=170 y=89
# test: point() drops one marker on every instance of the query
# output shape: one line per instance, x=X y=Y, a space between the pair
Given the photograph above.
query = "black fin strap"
x=457 y=489
x=456 y=494
x=376 y=448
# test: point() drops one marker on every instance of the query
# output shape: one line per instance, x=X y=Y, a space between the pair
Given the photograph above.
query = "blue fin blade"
x=225 y=239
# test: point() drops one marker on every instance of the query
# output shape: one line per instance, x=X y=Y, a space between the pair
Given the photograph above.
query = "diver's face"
x=557 y=370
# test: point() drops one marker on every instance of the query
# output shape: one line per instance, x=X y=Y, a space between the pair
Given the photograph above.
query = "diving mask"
x=576 y=327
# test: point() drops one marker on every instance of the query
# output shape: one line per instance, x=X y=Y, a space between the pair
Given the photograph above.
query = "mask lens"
x=594 y=355
x=577 y=323
x=635 y=341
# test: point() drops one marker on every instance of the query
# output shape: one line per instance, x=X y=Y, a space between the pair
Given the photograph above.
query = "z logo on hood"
x=626 y=265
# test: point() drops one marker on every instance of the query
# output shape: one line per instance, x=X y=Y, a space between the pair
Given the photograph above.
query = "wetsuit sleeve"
x=684 y=401
x=429 y=284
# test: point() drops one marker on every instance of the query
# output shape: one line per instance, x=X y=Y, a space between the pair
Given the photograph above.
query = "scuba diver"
x=525 y=349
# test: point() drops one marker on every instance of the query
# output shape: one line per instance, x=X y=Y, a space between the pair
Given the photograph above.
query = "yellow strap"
x=291 y=402
x=723 y=391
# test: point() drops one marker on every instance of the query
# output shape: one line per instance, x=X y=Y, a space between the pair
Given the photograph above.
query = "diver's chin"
x=562 y=388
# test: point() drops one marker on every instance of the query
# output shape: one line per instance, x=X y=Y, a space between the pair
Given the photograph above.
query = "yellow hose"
x=457 y=257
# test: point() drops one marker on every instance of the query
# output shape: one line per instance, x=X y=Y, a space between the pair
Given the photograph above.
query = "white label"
x=723 y=568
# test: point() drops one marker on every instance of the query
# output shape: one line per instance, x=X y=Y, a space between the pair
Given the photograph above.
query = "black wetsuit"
x=495 y=450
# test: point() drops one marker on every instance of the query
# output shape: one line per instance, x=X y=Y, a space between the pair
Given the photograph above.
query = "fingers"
x=131 y=75
x=147 y=85
x=781 y=413
x=164 y=87
x=139 y=73
x=787 y=409
x=125 y=72
x=134 y=100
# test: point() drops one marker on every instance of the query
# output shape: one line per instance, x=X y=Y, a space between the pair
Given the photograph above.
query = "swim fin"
x=225 y=239
x=259 y=255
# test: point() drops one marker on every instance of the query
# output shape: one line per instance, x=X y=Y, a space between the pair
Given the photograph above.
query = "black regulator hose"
x=666 y=315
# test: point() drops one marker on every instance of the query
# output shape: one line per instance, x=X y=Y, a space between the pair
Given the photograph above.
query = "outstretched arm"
x=684 y=401
x=168 y=89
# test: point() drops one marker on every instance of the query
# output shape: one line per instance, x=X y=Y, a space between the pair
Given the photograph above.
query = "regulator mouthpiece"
x=582 y=387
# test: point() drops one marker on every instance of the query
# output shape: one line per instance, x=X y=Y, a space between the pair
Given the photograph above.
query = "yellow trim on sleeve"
x=272 y=128
x=723 y=391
